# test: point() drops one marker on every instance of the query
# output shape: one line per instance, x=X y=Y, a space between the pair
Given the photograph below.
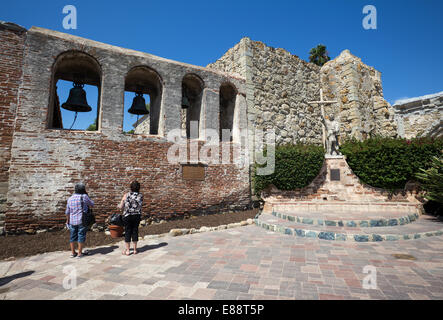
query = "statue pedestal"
x=337 y=182
x=336 y=169
x=328 y=156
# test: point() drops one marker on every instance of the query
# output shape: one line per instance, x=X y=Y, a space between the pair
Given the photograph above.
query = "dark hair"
x=135 y=186
x=80 y=188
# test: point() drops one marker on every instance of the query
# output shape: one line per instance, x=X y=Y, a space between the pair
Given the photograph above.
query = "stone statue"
x=332 y=132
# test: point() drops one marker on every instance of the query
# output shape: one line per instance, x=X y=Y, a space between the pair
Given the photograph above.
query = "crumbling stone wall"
x=46 y=163
x=279 y=86
x=284 y=84
x=12 y=39
x=420 y=116
x=360 y=106
x=233 y=61
x=142 y=126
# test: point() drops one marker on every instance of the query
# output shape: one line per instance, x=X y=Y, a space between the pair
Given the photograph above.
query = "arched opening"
x=74 y=101
x=228 y=94
x=145 y=82
x=192 y=91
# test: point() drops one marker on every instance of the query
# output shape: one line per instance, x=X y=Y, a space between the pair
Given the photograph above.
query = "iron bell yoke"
x=138 y=105
x=77 y=99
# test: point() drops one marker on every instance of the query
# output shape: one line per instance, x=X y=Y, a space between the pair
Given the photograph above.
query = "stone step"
x=341 y=207
x=349 y=219
x=425 y=226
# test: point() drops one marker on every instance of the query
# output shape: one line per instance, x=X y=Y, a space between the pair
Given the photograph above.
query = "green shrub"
x=295 y=167
x=389 y=163
x=431 y=180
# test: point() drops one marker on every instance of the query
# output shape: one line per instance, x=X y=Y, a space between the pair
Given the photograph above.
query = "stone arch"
x=227 y=96
x=147 y=81
x=192 y=87
x=73 y=66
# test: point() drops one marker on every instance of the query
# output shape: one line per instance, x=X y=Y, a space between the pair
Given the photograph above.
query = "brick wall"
x=12 y=39
x=44 y=178
x=46 y=163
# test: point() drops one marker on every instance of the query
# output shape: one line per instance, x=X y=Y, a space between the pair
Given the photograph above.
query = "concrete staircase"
x=361 y=227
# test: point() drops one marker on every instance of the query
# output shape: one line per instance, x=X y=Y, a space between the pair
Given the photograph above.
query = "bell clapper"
x=133 y=132
x=75 y=118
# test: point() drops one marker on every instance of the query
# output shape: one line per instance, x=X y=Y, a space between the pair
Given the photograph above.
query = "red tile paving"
x=242 y=263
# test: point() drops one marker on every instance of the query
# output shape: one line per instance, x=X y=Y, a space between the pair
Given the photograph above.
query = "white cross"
x=322 y=103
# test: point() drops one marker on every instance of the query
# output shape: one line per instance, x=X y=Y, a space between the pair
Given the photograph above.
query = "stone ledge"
x=340 y=236
x=349 y=223
x=181 y=232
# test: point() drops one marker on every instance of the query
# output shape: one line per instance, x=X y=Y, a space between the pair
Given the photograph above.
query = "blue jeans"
x=78 y=233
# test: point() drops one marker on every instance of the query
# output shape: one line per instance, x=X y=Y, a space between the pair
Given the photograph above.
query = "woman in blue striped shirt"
x=74 y=214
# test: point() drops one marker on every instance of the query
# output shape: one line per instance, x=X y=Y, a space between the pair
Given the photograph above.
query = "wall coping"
x=125 y=51
x=12 y=26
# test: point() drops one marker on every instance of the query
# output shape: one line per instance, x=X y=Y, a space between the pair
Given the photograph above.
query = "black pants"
x=131 y=223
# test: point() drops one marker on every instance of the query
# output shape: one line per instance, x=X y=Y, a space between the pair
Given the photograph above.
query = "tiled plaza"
x=241 y=263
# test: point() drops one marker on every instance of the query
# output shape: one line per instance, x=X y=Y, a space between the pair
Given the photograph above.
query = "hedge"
x=389 y=163
x=295 y=167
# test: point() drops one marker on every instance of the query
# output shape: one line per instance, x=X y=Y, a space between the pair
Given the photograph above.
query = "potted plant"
x=116 y=225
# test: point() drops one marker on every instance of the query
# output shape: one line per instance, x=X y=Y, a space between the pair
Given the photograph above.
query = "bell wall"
x=40 y=166
x=12 y=39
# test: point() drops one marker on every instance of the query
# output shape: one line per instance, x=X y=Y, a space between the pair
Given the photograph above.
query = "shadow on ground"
x=151 y=247
x=104 y=250
x=8 y=279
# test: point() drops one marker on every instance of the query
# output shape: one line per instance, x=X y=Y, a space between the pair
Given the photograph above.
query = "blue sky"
x=406 y=47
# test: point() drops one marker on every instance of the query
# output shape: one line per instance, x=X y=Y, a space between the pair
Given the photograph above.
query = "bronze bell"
x=77 y=99
x=185 y=102
x=138 y=105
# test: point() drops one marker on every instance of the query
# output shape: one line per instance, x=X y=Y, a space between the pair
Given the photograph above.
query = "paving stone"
x=218 y=285
x=225 y=295
x=264 y=266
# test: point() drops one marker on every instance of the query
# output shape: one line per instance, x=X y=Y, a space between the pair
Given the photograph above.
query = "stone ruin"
x=420 y=116
x=252 y=86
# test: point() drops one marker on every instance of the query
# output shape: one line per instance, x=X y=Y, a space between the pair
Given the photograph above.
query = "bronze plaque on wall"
x=335 y=174
x=193 y=172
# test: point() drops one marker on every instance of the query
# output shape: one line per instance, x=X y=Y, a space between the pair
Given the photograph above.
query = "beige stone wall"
x=360 y=106
x=231 y=61
x=279 y=86
x=283 y=86
x=142 y=127
x=421 y=116
x=417 y=124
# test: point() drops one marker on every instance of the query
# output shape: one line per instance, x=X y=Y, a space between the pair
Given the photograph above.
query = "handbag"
x=116 y=220
x=88 y=218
